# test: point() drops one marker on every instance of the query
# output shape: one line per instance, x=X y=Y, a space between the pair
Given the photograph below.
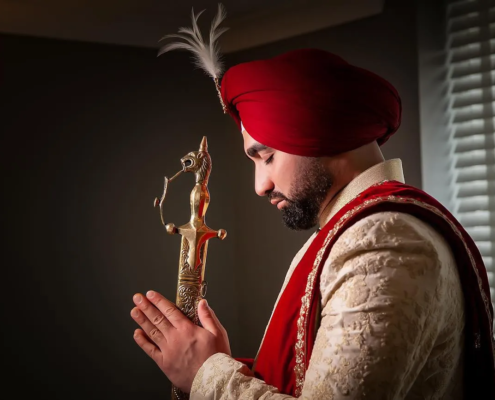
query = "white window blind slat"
x=481 y=233
x=476 y=111
x=475 y=158
x=474 y=173
x=474 y=142
x=472 y=50
x=463 y=21
x=471 y=35
x=471 y=19
x=476 y=203
x=460 y=8
x=474 y=218
x=471 y=97
x=474 y=188
x=488 y=261
x=472 y=127
x=474 y=81
x=472 y=66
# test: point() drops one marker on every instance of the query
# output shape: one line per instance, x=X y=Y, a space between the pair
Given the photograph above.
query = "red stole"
x=288 y=343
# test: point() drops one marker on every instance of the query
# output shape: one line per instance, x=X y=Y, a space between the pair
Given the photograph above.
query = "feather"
x=206 y=55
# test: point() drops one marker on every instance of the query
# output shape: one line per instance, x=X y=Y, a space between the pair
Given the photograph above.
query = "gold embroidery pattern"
x=300 y=346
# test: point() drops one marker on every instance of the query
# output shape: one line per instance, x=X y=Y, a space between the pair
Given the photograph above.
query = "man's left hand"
x=178 y=346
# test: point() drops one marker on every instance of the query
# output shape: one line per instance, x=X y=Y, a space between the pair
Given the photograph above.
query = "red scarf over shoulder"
x=286 y=349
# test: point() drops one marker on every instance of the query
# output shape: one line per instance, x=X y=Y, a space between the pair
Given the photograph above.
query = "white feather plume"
x=206 y=55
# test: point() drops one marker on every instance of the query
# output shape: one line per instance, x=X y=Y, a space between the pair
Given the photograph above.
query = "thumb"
x=207 y=318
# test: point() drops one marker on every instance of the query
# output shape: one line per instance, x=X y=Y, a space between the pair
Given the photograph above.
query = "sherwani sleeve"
x=380 y=295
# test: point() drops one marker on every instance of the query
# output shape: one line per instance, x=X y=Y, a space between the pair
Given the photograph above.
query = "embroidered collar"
x=387 y=170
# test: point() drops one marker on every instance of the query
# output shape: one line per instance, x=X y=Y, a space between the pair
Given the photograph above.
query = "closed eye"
x=269 y=160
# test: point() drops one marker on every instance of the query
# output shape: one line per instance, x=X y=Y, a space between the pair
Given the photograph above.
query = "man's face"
x=296 y=185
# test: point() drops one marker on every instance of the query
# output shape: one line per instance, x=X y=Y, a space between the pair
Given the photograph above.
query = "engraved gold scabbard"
x=195 y=234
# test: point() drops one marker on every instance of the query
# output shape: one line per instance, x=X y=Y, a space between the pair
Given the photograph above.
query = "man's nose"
x=263 y=184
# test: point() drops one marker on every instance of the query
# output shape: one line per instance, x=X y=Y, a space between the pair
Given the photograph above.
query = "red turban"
x=311 y=102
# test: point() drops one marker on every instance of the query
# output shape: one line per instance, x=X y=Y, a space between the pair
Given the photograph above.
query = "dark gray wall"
x=88 y=132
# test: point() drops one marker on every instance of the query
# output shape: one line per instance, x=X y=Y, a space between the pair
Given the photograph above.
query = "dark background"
x=87 y=133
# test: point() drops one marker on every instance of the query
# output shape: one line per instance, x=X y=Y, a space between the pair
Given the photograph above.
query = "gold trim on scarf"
x=300 y=347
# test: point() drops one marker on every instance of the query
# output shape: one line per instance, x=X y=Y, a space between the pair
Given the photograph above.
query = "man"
x=387 y=300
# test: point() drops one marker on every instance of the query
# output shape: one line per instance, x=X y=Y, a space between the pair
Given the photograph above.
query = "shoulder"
x=388 y=230
x=386 y=245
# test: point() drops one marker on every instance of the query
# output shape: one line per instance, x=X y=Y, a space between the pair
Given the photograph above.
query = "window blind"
x=471 y=109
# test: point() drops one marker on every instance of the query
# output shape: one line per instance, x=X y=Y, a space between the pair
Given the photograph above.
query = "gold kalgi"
x=191 y=286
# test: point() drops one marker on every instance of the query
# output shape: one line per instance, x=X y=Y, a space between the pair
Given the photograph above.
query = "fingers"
x=148 y=347
x=153 y=333
x=172 y=314
x=213 y=314
x=208 y=318
x=153 y=322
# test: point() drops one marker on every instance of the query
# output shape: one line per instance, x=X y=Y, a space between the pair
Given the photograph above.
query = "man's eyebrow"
x=255 y=149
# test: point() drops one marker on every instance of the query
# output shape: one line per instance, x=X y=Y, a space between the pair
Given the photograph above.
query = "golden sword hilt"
x=191 y=286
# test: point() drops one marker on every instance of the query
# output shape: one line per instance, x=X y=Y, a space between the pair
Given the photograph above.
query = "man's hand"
x=178 y=346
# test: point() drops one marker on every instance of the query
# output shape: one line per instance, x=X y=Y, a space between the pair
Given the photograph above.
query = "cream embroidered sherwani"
x=392 y=314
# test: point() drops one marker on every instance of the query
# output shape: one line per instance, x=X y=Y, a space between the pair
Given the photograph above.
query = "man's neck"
x=345 y=167
x=338 y=187
x=328 y=201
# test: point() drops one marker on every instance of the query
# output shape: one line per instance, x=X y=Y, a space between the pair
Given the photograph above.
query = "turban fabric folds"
x=311 y=102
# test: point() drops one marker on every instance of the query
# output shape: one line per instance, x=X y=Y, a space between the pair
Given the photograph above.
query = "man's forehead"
x=248 y=139
x=251 y=145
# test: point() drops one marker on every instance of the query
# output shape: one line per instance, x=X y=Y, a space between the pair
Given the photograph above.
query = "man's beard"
x=308 y=191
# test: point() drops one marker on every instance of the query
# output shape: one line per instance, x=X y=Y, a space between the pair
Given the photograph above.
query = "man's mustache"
x=277 y=195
